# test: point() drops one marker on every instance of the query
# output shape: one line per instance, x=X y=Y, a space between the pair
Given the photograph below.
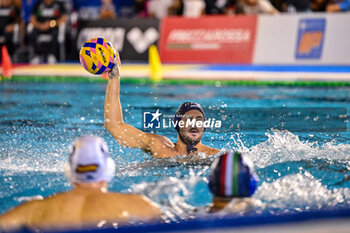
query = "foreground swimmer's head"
x=232 y=176
x=190 y=132
x=89 y=161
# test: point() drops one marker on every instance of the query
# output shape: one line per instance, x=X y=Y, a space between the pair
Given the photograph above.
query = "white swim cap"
x=89 y=161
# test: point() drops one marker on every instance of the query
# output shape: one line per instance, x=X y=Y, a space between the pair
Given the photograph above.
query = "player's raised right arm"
x=125 y=134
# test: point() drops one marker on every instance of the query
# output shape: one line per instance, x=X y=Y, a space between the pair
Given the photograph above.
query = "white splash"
x=300 y=192
x=292 y=193
x=30 y=198
x=171 y=194
x=50 y=162
x=282 y=146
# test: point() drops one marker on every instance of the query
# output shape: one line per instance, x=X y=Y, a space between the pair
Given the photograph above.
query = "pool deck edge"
x=180 y=73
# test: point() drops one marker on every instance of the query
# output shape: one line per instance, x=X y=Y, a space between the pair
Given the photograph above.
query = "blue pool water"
x=300 y=169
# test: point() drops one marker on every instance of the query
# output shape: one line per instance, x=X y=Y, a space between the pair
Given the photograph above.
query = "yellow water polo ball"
x=96 y=56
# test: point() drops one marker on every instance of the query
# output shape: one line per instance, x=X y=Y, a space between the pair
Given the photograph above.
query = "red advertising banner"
x=213 y=39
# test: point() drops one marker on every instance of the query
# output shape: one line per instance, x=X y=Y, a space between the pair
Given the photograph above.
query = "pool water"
x=299 y=170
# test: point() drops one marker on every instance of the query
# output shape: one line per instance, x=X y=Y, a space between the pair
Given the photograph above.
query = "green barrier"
x=144 y=81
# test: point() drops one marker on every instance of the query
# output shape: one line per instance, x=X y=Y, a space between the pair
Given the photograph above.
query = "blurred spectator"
x=107 y=10
x=216 y=7
x=292 y=6
x=159 y=8
x=141 y=8
x=230 y=7
x=338 y=6
x=47 y=16
x=9 y=25
x=318 y=5
x=125 y=8
x=194 y=8
x=177 y=8
x=252 y=7
x=87 y=10
x=280 y=5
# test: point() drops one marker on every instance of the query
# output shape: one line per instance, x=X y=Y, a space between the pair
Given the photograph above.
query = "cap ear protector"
x=232 y=175
x=109 y=172
x=89 y=161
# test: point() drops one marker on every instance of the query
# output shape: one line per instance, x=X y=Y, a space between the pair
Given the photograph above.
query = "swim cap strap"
x=190 y=147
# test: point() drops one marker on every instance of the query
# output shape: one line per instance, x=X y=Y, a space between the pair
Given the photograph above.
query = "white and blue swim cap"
x=89 y=161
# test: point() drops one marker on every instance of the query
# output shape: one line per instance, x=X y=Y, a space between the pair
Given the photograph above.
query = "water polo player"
x=89 y=204
x=189 y=138
x=232 y=181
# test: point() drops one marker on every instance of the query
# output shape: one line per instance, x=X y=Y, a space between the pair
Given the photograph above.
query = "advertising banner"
x=309 y=39
x=215 y=39
x=131 y=37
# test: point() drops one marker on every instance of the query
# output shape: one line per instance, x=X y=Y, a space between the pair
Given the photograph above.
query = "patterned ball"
x=97 y=56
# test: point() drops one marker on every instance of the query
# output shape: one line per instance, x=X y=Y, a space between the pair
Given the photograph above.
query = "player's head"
x=89 y=161
x=232 y=175
x=189 y=119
